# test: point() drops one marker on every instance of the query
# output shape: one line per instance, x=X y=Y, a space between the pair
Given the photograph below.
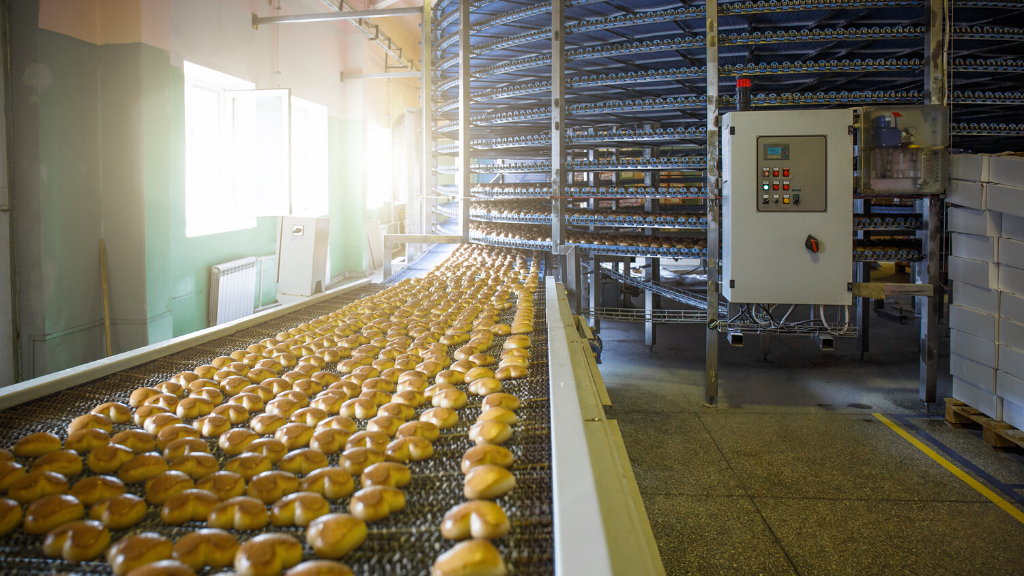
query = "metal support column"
x=928 y=271
x=559 y=178
x=412 y=173
x=427 y=115
x=465 y=105
x=651 y=300
x=714 y=203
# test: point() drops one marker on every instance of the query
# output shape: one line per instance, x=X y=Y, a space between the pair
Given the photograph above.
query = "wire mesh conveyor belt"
x=406 y=542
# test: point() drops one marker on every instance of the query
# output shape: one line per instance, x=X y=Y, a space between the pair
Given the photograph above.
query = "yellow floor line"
x=995 y=498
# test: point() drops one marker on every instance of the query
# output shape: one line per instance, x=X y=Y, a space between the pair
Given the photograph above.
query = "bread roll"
x=378 y=384
x=267 y=555
x=163 y=486
x=249 y=401
x=450 y=377
x=137 y=550
x=157 y=422
x=233 y=385
x=375 y=440
x=64 y=462
x=419 y=385
x=294 y=435
x=478 y=373
x=308 y=387
x=35 y=485
x=333 y=483
x=409 y=448
x=319 y=568
x=248 y=465
x=92 y=489
x=172 y=388
x=78 y=541
x=35 y=445
x=270 y=447
x=422 y=429
x=185 y=378
x=490 y=432
x=206 y=547
x=211 y=395
x=325 y=378
x=385 y=424
x=298 y=509
x=443 y=418
x=356 y=460
x=143 y=413
x=454 y=399
x=386 y=474
x=329 y=440
x=351 y=389
x=141 y=467
x=224 y=484
x=163 y=568
x=470 y=558
x=334 y=535
x=516 y=341
x=269 y=487
x=10 y=515
x=361 y=408
x=397 y=410
x=482 y=359
x=284 y=407
x=511 y=372
x=376 y=503
x=188 y=505
x=239 y=513
x=513 y=352
x=236 y=441
x=185 y=447
x=486 y=454
x=174 y=432
x=86 y=440
x=119 y=512
x=137 y=441
x=475 y=519
x=501 y=400
x=267 y=423
x=108 y=459
x=488 y=481
x=114 y=411
x=140 y=395
x=303 y=461
x=498 y=414
x=259 y=375
x=378 y=397
x=340 y=423
x=212 y=425
x=51 y=511
x=168 y=401
x=9 y=473
x=270 y=364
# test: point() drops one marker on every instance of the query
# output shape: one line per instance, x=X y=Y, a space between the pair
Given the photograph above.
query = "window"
x=379 y=182
x=309 y=158
x=237 y=152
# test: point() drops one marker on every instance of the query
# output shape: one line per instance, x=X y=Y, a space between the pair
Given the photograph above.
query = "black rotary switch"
x=812 y=244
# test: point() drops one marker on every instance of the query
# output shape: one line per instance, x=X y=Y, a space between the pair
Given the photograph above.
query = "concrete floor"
x=791 y=473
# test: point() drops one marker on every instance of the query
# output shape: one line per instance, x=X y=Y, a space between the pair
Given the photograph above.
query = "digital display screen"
x=776 y=151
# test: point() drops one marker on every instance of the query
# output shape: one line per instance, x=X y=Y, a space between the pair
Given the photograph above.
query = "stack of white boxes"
x=986 y=270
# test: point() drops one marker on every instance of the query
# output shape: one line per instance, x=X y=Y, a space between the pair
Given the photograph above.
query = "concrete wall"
x=99 y=152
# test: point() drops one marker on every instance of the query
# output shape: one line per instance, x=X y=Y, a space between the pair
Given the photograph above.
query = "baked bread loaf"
x=114 y=411
x=330 y=401
x=119 y=512
x=141 y=467
x=267 y=423
x=87 y=440
x=470 y=558
x=375 y=440
x=378 y=397
x=475 y=519
x=233 y=385
x=310 y=415
x=249 y=401
x=482 y=359
x=319 y=568
x=397 y=410
x=267 y=555
x=163 y=568
x=236 y=441
x=386 y=474
x=356 y=460
x=332 y=482
x=137 y=550
x=420 y=428
x=381 y=384
x=184 y=447
x=49 y=512
x=342 y=423
x=64 y=462
x=160 y=488
x=303 y=461
x=510 y=372
x=172 y=388
x=212 y=395
x=478 y=373
x=10 y=515
x=239 y=513
x=376 y=503
x=35 y=485
x=211 y=547
x=409 y=448
x=188 y=505
x=9 y=473
x=282 y=406
x=140 y=395
x=443 y=418
x=361 y=408
x=269 y=487
x=168 y=401
x=78 y=541
x=270 y=447
x=450 y=377
x=92 y=489
x=488 y=481
x=298 y=509
x=248 y=464
x=35 y=445
x=224 y=484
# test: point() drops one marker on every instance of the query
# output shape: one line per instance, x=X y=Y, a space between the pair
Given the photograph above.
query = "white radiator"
x=232 y=290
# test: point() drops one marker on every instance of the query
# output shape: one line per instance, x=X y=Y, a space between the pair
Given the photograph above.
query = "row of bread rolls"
x=542 y=233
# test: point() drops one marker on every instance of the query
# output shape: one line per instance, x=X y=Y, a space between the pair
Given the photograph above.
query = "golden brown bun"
x=482 y=359
x=420 y=428
x=206 y=547
x=450 y=377
x=320 y=568
x=282 y=406
x=184 y=447
x=510 y=372
x=270 y=447
x=236 y=441
x=143 y=413
x=298 y=509
x=249 y=401
x=515 y=360
x=502 y=400
x=332 y=482
x=413 y=385
x=9 y=473
x=86 y=440
x=490 y=432
x=141 y=467
x=168 y=401
x=239 y=513
x=486 y=454
x=223 y=484
x=258 y=374
x=329 y=401
x=488 y=482
x=172 y=388
x=375 y=440
x=233 y=385
x=188 y=505
x=119 y=512
x=397 y=410
x=212 y=425
x=37 y=444
x=115 y=412
x=475 y=519
x=160 y=488
x=498 y=414
x=35 y=485
x=303 y=461
x=267 y=555
x=212 y=395
x=386 y=474
x=49 y=512
x=140 y=395
x=516 y=341
x=384 y=423
x=311 y=416
x=269 y=487
x=137 y=550
x=10 y=515
x=334 y=535
x=6 y=455
x=478 y=373
x=78 y=541
x=65 y=462
x=454 y=399
x=235 y=413
x=470 y=558
x=248 y=465
x=378 y=397
x=267 y=423
x=361 y=408
x=376 y=503
x=356 y=460
x=92 y=489
x=294 y=435
x=409 y=448
x=157 y=422
x=329 y=440
x=163 y=568
x=174 y=432
x=485 y=386
x=443 y=418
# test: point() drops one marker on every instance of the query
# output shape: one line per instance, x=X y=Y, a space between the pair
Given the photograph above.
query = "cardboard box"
x=1011 y=252
x=1013 y=414
x=973 y=167
x=976 y=398
x=981 y=299
x=968 y=194
x=973 y=348
x=1005 y=199
x=973 y=247
x=1011 y=306
x=1008 y=170
x=971 y=221
x=1010 y=279
x=976 y=374
x=974 y=323
x=1011 y=361
x=1011 y=334
x=1011 y=226
x=1009 y=387
x=974 y=272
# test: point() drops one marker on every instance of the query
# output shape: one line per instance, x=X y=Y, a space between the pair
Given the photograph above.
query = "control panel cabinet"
x=787 y=207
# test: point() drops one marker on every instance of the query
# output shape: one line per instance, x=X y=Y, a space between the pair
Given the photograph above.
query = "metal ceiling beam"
x=329 y=17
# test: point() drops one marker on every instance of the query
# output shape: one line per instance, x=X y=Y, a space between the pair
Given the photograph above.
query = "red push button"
x=775 y=186
x=785 y=186
x=775 y=173
x=785 y=171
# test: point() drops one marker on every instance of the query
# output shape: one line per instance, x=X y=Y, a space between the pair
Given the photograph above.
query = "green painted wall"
x=347 y=195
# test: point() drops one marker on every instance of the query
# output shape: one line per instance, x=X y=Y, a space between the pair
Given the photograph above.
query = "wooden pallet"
x=997 y=433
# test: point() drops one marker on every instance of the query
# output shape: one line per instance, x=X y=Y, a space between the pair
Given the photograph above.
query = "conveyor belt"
x=406 y=542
